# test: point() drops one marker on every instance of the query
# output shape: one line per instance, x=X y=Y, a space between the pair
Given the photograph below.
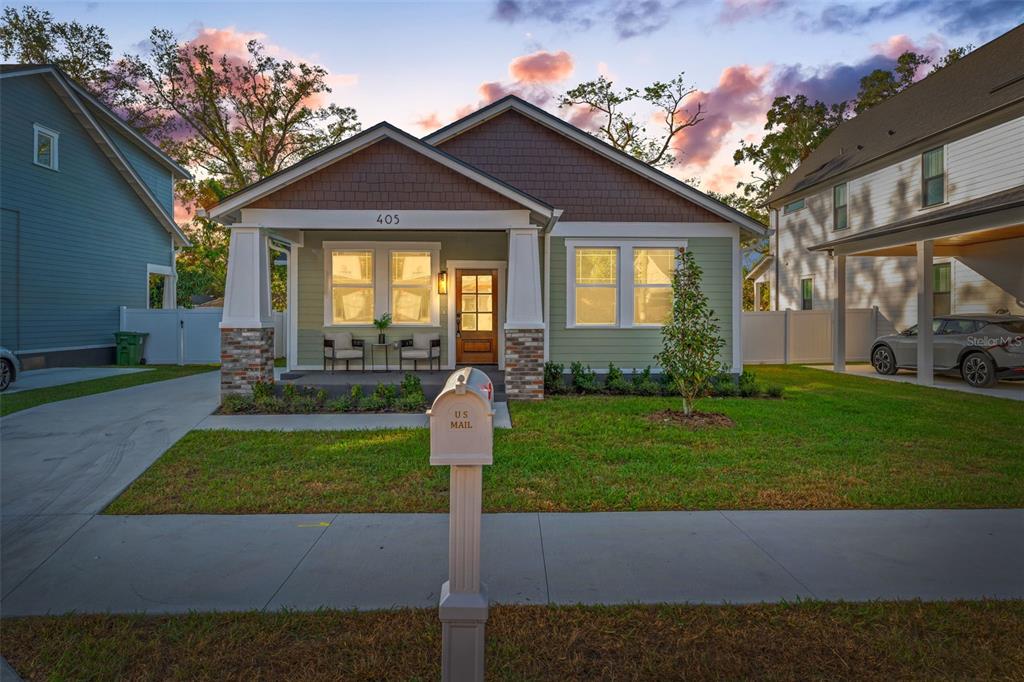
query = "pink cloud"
x=738 y=98
x=895 y=45
x=541 y=67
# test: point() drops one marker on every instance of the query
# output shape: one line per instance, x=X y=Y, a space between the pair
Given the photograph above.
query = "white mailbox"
x=462 y=420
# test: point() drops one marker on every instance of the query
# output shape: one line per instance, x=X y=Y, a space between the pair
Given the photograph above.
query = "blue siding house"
x=86 y=217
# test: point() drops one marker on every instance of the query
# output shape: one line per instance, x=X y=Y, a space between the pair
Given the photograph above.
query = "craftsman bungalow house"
x=510 y=236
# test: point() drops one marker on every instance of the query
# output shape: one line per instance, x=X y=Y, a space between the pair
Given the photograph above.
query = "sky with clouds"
x=420 y=65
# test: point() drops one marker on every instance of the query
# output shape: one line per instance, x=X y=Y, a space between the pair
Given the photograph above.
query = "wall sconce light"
x=442 y=282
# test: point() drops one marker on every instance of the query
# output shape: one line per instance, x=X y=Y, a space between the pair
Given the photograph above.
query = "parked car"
x=981 y=348
x=10 y=367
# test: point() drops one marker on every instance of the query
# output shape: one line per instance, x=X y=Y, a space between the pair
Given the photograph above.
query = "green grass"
x=834 y=442
x=802 y=641
x=15 y=402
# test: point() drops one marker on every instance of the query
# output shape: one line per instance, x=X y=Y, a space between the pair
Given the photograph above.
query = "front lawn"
x=808 y=640
x=835 y=441
x=15 y=402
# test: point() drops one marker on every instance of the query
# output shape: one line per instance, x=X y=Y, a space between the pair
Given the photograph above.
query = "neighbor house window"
x=352 y=286
x=933 y=177
x=597 y=291
x=941 y=288
x=806 y=293
x=652 y=284
x=45 y=147
x=411 y=286
x=793 y=206
x=840 y=219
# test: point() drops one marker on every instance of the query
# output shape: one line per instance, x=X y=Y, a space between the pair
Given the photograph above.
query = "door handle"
x=458 y=324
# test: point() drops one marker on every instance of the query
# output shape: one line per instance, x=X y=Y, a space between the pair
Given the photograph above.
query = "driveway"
x=58 y=376
x=1011 y=390
x=64 y=462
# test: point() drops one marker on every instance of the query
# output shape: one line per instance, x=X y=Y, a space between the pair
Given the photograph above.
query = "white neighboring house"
x=915 y=206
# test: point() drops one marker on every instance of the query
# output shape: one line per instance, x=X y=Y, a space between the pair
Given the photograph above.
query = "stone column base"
x=246 y=357
x=524 y=364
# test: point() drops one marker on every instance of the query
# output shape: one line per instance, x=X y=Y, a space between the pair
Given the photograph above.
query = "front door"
x=476 y=317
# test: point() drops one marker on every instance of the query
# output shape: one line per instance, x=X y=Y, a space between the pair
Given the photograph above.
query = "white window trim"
x=945 y=179
x=54 y=154
x=624 y=281
x=382 y=280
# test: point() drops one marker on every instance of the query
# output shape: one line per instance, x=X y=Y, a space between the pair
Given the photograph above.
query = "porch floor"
x=341 y=381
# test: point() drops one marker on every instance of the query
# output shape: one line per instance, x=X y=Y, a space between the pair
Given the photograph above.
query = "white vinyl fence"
x=805 y=336
x=188 y=336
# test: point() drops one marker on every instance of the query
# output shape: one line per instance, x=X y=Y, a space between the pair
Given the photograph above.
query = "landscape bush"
x=406 y=397
x=584 y=381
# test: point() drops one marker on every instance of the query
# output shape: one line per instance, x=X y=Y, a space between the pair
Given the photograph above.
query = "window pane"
x=839 y=195
x=352 y=305
x=483 y=303
x=485 y=322
x=794 y=206
x=651 y=305
x=932 y=161
x=44 y=150
x=410 y=304
x=410 y=267
x=840 y=218
x=653 y=266
x=483 y=283
x=469 y=302
x=596 y=266
x=933 y=191
x=469 y=283
x=595 y=305
x=469 y=322
x=941 y=280
x=352 y=267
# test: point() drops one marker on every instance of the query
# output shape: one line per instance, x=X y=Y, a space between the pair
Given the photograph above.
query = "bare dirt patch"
x=693 y=421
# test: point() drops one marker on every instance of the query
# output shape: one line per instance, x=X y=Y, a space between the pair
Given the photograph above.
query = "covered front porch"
x=987 y=234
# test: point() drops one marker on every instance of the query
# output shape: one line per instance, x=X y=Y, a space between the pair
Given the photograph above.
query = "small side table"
x=373 y=350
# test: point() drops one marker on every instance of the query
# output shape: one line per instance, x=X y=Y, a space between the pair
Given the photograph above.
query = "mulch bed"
x=693 y=421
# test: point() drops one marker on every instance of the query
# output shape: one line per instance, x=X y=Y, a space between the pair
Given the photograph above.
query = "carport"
x=987 y=234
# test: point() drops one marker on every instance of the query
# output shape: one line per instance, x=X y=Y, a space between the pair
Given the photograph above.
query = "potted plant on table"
x=382 y=323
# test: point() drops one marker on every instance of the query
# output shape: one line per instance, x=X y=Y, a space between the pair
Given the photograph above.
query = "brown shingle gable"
x=386 y=175
x=568 y=175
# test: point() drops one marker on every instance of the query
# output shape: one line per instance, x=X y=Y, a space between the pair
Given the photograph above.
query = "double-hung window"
x=351 y=277
x=597 y=286
x=942 y=281
x=933 y=178
x=806 y=293
x=44 y=147
x=652 y=285
x=840 y=217
x=411 y=287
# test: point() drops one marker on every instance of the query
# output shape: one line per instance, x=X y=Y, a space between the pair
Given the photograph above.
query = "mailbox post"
x=462 y=437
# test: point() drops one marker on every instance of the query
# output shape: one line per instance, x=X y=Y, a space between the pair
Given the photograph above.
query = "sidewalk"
x=371 y=561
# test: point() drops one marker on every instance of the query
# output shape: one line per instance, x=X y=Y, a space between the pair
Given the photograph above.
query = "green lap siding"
x=631 y=347
x=492 y=246
x=75 y=242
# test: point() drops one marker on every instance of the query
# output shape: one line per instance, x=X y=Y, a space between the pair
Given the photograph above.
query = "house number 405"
x=387 y=219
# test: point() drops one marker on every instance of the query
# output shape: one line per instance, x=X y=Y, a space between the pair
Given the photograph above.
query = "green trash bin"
x=129 y=347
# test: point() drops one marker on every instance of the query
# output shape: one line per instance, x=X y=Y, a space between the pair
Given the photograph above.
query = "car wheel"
x=978 y=370
x=883 y=360
x=6 y=374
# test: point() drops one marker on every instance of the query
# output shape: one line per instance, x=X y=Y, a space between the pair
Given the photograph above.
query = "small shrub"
x=748 y=386
x=411 y=384
x=236 y=404
x=411 y=402
x=553 y=377
x=584 y=380
x=644 y=383
x=724 y=386
x=301 y=404
x=386 y=393
x=340 y=404
x=355 y=396
x=373 y=403
x=262 y=390
x=774 y=391
x=615 y=382
x=290 y=393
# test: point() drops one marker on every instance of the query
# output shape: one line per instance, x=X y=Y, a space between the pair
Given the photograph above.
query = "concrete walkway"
x=371 y=561
x=333 y=422
x=63 y=462
x=58 y=376
x=1011 y=390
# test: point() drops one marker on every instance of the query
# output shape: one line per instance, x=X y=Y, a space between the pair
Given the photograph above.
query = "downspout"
x=774 y=222
x=555 y=215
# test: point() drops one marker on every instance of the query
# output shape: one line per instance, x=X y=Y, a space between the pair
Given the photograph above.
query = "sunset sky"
x=420 y=64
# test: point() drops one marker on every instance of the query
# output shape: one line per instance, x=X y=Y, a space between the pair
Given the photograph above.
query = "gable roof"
x=983 y=81
x=69 y=93
x=384 y=130
x=672 y=184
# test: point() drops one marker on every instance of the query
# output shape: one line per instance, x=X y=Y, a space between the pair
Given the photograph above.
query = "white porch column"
x=524 y=328
x=247 y=329
x=925 y=360
x=839 y=313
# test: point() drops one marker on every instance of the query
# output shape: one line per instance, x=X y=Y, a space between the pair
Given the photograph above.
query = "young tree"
x=691 y=342
x=624 y=130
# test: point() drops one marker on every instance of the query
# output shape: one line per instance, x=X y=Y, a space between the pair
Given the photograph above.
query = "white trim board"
x=499 y=265
x=674 y=185
x=340 y=219
x=643 y=230
x=358 y=143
